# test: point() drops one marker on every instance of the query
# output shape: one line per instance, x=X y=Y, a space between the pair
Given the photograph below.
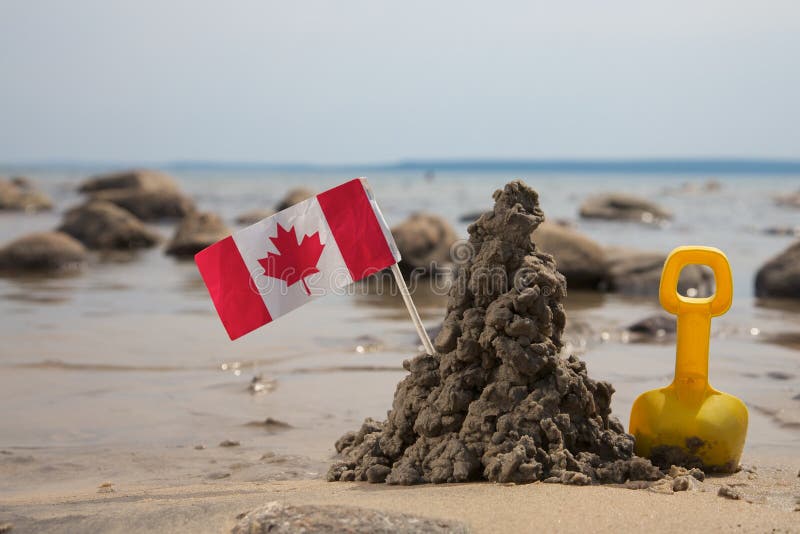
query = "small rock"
x=46 y=251
x=218 y=475
x=229 y=443
x=623 y=207
x=199 y=447
x=663 y=486
x=378 y=473
x=786 y=230
x=779 y=375
x=196 y=232
x=6 y=527
x=294 y=196
x=655 y=327
x=269 y=422
x=279 y=518
x=105 y=487
x=637 y=484
x=698 y=474
x=729 y=492
x=684 y=483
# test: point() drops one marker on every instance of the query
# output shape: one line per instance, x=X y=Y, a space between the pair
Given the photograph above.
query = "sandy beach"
x=769 y=492
x=119 y=384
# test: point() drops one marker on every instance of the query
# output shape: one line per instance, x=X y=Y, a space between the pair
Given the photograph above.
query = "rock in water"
x=253 y=216
x=578 y=258
x=623 y=207
x=196 y=232
x=45 y=251
x=149 y=195
x=103 y=225
x=294 y=196
x=497 y=401
x=424 y=242
x=142 y=179
x=780 y=276
x=19 y=194
x=636 y=272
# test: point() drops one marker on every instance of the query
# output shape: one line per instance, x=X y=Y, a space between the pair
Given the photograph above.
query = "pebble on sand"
x=729 y=492
x=229 y=443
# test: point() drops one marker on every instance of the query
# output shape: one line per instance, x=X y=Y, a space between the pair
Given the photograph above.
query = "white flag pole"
x=412 y=310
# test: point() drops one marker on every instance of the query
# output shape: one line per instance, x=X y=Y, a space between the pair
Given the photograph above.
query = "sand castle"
x=498 y=401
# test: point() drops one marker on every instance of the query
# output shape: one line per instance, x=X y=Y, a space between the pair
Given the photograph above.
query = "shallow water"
x=126 y=367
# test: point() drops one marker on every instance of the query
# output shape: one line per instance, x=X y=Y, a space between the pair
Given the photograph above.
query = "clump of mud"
x=497 y=401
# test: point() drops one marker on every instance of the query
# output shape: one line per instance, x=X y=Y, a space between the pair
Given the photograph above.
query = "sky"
x=341 y=81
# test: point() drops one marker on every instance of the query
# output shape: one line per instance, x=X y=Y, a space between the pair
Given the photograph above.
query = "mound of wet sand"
x=497 y=401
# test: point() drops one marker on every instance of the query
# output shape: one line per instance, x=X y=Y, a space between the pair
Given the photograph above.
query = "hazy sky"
x=363 y=81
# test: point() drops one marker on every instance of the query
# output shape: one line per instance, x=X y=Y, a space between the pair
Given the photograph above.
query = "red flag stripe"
x=225 y=274
x=356 y=229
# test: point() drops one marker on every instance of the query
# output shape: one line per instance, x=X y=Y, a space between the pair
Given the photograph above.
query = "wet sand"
x=769 y=500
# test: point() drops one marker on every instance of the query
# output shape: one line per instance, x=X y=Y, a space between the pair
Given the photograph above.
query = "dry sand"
x=769 y=505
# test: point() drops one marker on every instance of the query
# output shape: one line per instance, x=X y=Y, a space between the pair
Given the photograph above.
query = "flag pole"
x=412 y=310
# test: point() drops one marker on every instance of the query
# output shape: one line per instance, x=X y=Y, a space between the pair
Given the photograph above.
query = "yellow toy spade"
x=689 y=422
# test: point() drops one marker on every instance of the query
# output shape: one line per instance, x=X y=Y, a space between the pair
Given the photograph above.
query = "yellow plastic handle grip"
x=675 y=303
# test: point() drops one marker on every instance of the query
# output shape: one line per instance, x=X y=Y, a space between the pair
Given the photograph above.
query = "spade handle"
x=694 y=314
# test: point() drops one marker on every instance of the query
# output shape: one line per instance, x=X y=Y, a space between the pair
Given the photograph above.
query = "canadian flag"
x=284 y=261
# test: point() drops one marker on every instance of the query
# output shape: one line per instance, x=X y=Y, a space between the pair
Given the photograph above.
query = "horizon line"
x=584 y=165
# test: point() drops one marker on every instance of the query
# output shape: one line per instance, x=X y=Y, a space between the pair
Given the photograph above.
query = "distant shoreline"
x=562 y=166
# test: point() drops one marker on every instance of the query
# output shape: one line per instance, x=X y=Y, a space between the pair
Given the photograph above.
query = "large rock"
x=424 y=242
x=45 y=251
x=578 y=258
x=149 y=195
x=780 y=276
x=143 y=179
x=623 y=207
x=149 y=205
x=195 y=232
x=19 y=194
x=294 y=196
x=636 y=272
x=253 y=216
x=103 y=225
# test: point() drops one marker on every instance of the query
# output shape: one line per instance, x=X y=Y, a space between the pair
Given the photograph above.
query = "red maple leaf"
x=296 y=260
